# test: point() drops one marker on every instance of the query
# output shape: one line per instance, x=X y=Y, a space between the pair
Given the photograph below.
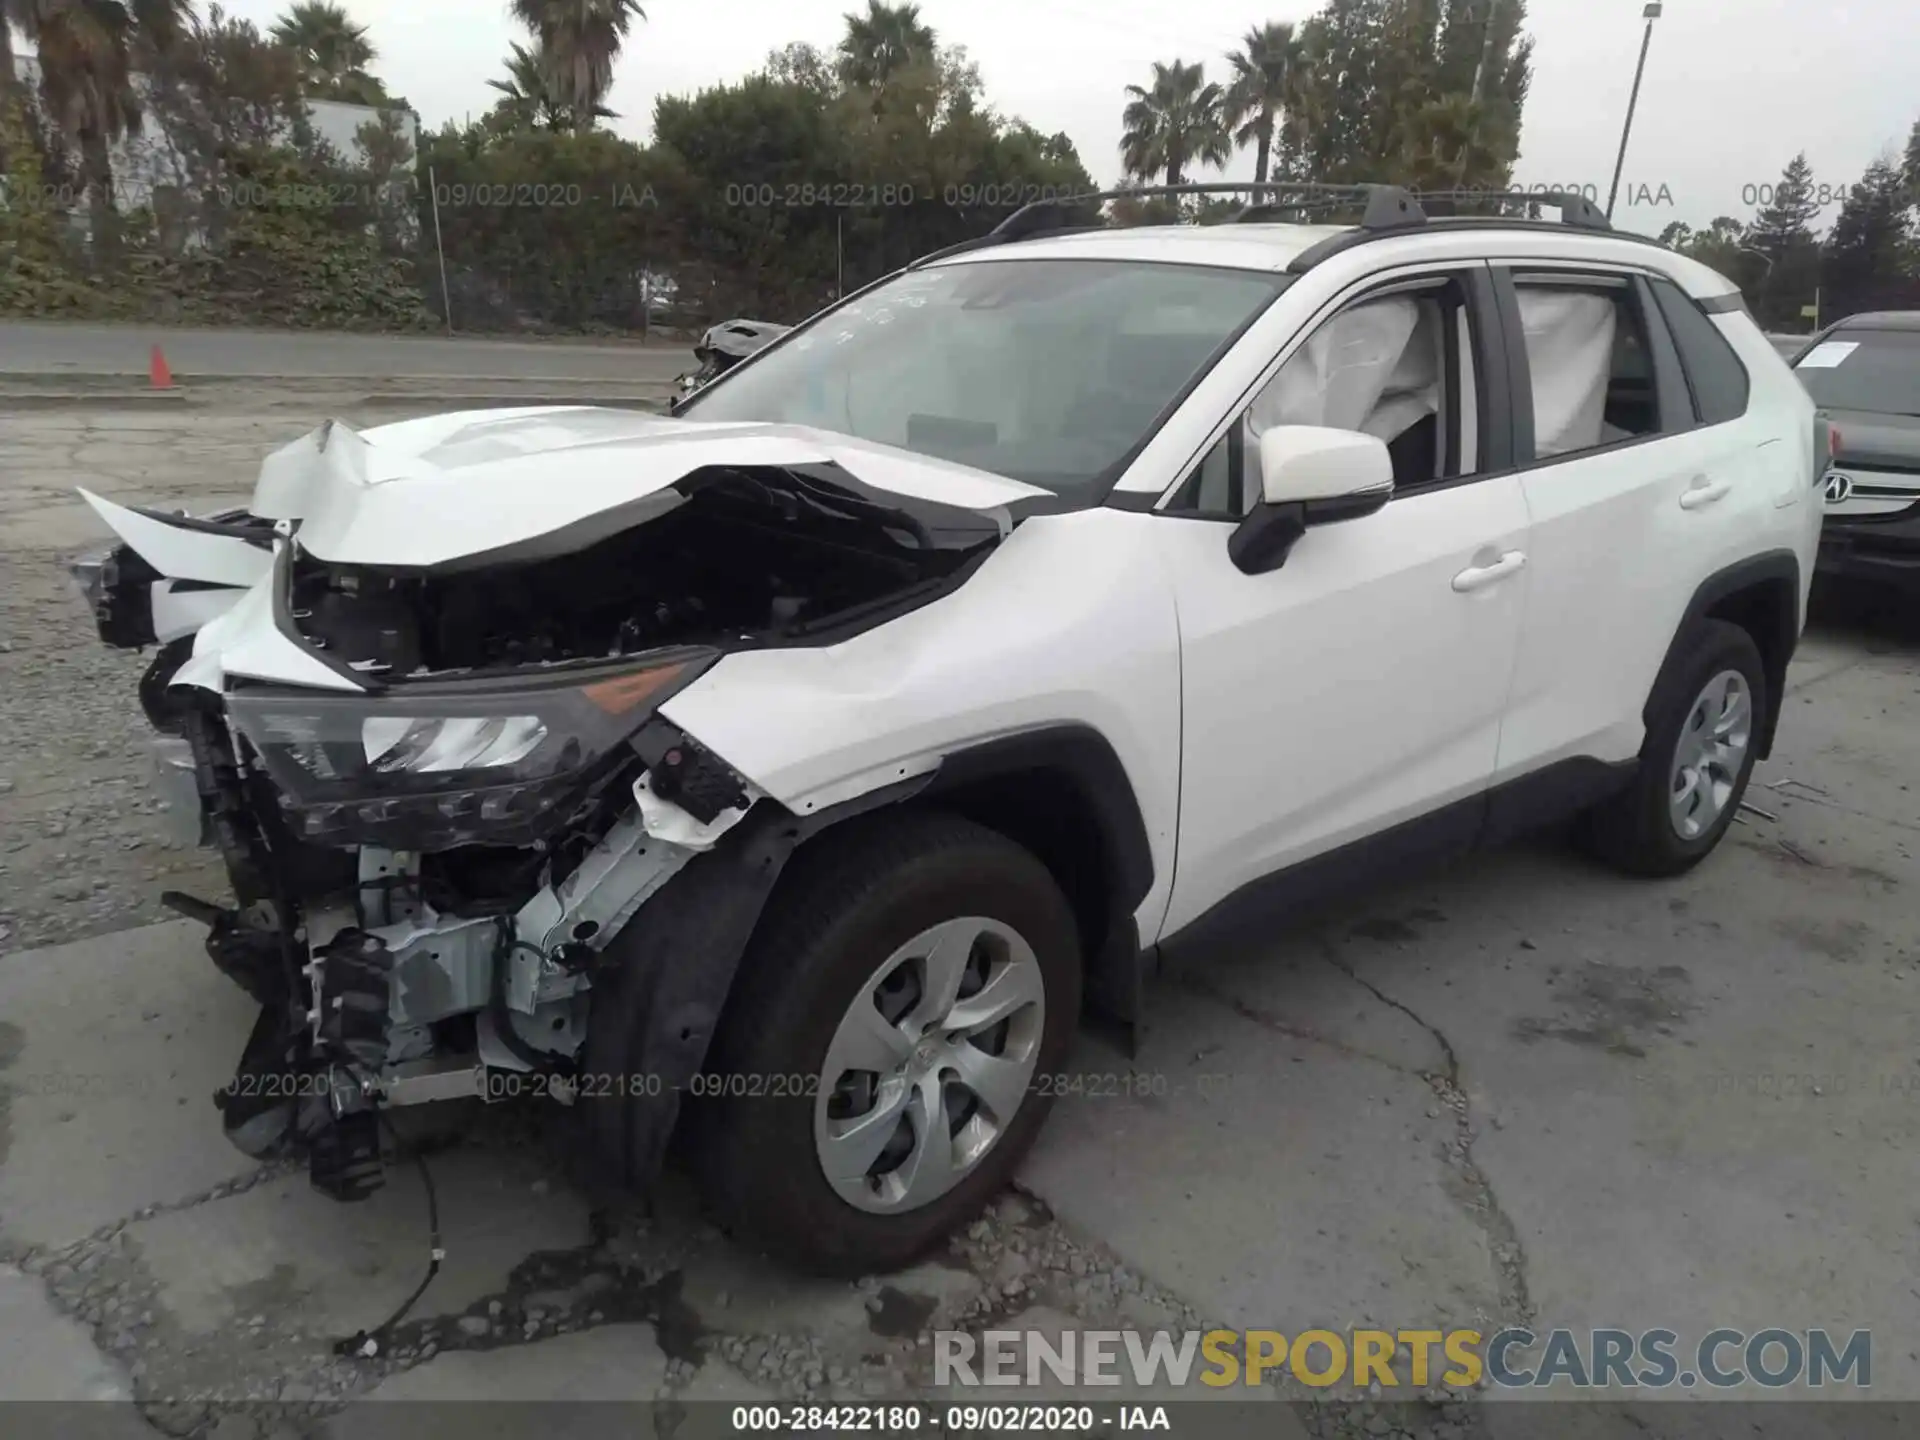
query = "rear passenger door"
x=1638 y=483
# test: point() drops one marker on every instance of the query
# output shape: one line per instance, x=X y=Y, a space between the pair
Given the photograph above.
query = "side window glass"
x=1398 y=367
x=1591 y=365
x=1714 y=373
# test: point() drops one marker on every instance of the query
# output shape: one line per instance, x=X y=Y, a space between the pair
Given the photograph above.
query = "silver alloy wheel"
x=1710 y=753
x=929 y=1065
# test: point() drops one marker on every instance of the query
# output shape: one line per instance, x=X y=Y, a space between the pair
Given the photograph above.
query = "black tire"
x=845 y=903
x=1633 y=831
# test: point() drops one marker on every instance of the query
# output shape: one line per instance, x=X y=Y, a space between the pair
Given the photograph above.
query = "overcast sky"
x=1733 y=87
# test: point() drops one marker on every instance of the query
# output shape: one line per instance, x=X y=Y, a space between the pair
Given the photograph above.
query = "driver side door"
x=1347 y=705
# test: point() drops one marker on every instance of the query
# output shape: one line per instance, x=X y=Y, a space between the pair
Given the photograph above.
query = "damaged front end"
x=444 y=790
x=426 y=898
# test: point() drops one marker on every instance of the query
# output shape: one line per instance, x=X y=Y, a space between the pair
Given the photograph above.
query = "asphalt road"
x=29 y=348
x=37 y=349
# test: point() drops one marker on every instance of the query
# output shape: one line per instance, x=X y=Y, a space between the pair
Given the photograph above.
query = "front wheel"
x=1708 y=712
x=881 y=1071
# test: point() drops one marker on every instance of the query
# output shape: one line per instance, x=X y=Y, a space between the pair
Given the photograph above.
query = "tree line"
x=166 y=164
x=1426 y=94
x=768 y=196
x=1791 y=273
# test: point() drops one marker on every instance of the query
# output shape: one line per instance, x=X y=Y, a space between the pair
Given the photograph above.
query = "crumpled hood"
x=481 y=486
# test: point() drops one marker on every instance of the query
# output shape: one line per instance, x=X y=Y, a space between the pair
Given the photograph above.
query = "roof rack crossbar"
x=1575 y=209
x=1388 y=207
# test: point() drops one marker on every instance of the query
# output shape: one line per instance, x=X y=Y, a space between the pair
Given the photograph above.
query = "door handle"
x=1478 y=577
x=1703 y=492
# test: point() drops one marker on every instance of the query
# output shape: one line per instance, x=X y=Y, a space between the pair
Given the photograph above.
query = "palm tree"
x=882 y=42
x=578 y=42
x=1262 y=90
x=530 y=103
x=1178 y=119
x=333 y=51
x=87 y=50
x=1454 y=143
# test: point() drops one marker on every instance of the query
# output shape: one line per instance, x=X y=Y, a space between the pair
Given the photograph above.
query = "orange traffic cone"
x=157 y=372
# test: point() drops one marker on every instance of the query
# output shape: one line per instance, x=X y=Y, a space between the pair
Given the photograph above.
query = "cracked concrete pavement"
x=1521 y=1090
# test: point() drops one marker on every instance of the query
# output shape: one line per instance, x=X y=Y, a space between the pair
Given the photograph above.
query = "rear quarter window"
x=1715 y=376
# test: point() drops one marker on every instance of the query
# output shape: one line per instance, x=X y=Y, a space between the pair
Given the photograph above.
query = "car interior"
x=1378 y=368
x=1592 y=375
x=1381 y=368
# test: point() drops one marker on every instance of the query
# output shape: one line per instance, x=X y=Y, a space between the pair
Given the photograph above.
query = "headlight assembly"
x=443 y=763
x=425 y=745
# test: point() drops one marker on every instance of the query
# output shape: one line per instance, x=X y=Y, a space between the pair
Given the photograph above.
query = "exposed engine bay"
x=433 y=859
x=740 y=562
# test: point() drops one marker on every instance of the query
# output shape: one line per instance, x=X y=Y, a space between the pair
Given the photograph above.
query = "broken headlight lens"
x=449 y=761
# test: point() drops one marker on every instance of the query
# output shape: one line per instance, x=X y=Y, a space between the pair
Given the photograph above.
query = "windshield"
x=1049 y=371
x=1874 y=370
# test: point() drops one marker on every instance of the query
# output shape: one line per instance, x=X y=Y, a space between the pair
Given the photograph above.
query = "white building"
x=148 y=163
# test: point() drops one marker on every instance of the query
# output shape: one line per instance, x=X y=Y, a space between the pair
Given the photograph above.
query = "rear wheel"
x=875 y=1079
x=1708 y=712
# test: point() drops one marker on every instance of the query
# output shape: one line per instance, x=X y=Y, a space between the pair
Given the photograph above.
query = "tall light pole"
x=1652 y=13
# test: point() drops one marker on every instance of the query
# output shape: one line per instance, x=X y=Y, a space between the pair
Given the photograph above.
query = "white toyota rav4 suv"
x=786 y=774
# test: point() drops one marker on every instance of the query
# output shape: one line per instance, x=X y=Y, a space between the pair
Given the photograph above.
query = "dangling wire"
x=368 y=1343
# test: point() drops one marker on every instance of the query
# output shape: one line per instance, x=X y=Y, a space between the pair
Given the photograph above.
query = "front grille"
x=1879 y=464
x=1877 y=526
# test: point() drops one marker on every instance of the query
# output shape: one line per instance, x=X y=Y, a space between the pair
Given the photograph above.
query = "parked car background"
x=1864 y=372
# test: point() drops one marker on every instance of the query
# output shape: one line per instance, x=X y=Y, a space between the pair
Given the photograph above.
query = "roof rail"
x=1385 y=204
x=1575 y=210
x=1385 y=210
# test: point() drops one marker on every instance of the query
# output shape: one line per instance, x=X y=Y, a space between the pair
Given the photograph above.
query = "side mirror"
x=1309 y=475
x=1307 y=463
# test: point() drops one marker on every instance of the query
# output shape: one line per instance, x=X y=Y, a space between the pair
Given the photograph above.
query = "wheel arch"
x=1761 y=595
x=1063 y=793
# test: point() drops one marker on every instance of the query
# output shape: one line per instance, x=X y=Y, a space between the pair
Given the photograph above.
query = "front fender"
x=1069 y=623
